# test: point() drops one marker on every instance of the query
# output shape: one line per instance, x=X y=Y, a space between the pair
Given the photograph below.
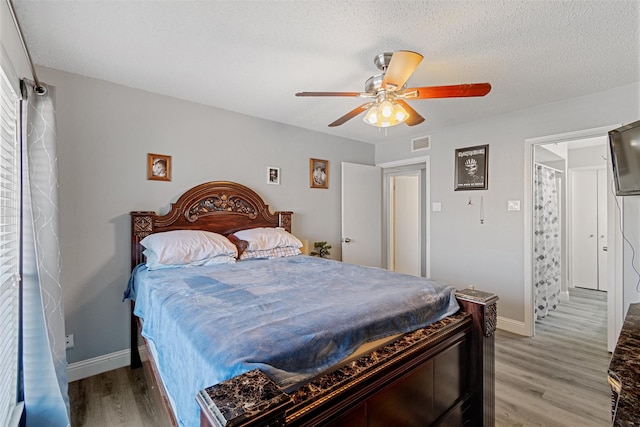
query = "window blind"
x=10 y=408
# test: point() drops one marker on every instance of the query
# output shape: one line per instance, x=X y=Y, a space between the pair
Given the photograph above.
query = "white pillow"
x=262 y=239
x=187 y=247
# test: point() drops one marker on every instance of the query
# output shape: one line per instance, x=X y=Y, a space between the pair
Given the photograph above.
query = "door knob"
x=346 y=240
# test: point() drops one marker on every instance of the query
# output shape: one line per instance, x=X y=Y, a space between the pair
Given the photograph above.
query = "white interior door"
x=584 y=229
x=362 y=214
x=602 y=231
x=405 y=223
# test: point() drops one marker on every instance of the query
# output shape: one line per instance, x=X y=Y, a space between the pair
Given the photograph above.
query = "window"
x=10 y=407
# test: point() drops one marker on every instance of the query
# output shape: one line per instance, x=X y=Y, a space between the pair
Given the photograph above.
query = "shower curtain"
x=546 y=242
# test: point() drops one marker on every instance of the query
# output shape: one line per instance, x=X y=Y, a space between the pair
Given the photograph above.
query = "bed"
x=215 y=332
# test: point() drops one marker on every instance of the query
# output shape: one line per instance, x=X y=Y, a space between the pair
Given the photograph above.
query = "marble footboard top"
x=624 y=370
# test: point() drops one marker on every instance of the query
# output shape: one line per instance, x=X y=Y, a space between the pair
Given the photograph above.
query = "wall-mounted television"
x=624 y=144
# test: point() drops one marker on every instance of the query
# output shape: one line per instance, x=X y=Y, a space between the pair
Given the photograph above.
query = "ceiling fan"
x=388 y=92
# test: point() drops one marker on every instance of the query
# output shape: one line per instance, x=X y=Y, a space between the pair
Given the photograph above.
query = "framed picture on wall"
x=273 y=175
x=319 y=173
x=472 y=168
x=158 y=167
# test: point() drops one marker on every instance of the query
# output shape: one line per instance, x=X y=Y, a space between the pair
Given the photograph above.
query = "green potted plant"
x=321 y=249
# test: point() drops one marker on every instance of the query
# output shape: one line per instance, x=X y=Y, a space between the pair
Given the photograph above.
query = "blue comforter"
x=290 y=317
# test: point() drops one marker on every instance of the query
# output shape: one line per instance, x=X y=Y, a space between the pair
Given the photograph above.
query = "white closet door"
x=584 y=229
x=602 y=230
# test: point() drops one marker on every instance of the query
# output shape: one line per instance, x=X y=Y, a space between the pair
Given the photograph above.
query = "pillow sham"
x=270 y=253
x=187 y=247
x=262 y=239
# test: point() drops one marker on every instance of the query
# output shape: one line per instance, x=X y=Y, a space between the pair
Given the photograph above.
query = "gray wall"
x=104 y=134
x=631 y=249
x=491 y=255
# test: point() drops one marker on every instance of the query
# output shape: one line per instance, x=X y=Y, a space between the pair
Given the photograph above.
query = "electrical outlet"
x=70 y=343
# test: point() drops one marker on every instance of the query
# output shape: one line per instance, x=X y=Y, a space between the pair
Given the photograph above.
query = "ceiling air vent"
x=421 y=143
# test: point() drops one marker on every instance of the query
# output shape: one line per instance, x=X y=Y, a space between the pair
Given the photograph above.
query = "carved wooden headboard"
x=219 y=206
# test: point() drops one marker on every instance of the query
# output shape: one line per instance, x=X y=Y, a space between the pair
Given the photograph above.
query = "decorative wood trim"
x=483 y=307
x=208 y=202
x=142 y=224
x=222 y=207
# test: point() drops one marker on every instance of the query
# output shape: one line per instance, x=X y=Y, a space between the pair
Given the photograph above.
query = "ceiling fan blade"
x=403 y=63
x=328 y=94
x=414 y=117
x=351 y=114
x=455 y=91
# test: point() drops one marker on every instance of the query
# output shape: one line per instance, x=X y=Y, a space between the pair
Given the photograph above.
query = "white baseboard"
x=564 y=296
x=513 y=326
x=97 y=365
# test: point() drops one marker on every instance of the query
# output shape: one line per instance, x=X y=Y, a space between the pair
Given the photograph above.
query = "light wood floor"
x=557 y=378
x=116 y=398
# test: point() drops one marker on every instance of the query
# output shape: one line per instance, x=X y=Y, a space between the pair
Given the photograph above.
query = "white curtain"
x=44 y=354
x=546 y=242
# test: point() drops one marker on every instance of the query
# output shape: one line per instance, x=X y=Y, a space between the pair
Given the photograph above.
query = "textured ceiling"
x=251 y=57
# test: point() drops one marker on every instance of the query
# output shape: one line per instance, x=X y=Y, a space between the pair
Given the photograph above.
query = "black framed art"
x=472 y=168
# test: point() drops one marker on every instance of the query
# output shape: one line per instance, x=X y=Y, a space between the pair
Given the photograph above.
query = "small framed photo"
x=319 y=173
x=472 y=168
x=273 y=176
x=158 y=167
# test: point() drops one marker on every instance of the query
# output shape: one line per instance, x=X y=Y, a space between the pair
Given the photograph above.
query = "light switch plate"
x=513 y=205
x=436 y=206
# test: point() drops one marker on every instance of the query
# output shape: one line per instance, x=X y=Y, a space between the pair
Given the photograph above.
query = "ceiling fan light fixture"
x=386 y=109
x=399 y=113
x=375 y=115
x=371 y=117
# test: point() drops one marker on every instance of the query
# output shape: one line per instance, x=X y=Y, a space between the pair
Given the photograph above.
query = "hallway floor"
x=558 y=377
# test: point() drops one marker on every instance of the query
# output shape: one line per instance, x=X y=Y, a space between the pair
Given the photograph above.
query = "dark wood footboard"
x=441 y=375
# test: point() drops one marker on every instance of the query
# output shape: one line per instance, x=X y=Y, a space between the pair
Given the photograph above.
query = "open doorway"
x=611 y=240
x=405 y=216
x=569 y=221
x=404 y=221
